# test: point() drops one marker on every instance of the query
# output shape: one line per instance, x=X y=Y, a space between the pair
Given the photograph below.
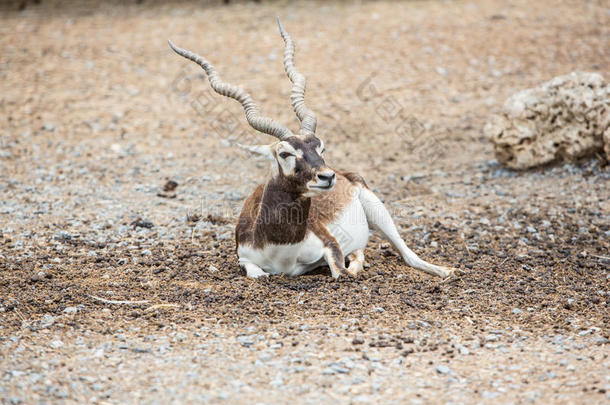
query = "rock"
x=563 y=119
x=140 y=223
x=463 y=350
x=490 y=395
x=442 y=369
x=56 y=344
x=41 y=275
x=70 y=310
x=441 y=71
x=339 y=368
x=47 y=320
x=62 y=236
x=246 y=341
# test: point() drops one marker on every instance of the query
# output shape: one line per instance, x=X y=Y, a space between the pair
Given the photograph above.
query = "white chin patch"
x=315 y=189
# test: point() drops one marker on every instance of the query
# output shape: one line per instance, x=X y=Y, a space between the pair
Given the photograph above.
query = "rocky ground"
x=120 y=185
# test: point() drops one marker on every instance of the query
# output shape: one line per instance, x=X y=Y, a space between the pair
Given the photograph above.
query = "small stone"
x=339 y=368
x=47 y=320
x=378 y=309
x=441 y=71
x=212 y=269
x=278 y=381
x=70 y=310
x=357 y=341
x=140 y=223
x=442 y=369
x=490 y=395
x=517 y=311
x=463 y=350
x=246 y=341
x=56 y=344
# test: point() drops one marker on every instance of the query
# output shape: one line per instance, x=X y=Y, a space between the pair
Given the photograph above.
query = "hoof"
x=453 y=274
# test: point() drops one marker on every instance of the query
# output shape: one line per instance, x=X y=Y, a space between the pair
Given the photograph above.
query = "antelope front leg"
x=252 y=270
x=332 y=252
x=335 y=259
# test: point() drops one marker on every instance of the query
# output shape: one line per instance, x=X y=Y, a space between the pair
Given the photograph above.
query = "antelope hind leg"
x=379 y=218
x=356 y=262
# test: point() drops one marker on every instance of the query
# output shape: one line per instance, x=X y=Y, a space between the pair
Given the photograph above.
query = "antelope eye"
x=285 y=155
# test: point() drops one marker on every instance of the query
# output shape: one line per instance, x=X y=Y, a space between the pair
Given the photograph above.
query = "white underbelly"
x=291 y=259
x=350 y=229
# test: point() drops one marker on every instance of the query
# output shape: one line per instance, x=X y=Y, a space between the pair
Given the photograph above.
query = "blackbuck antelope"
x=306 y=214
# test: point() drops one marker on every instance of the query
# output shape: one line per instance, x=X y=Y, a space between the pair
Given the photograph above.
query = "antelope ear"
x=260 y=150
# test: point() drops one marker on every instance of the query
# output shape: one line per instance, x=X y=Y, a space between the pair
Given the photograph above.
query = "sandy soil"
x=98 y=114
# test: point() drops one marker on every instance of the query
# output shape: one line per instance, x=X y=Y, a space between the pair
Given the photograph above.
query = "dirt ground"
x=98 y=114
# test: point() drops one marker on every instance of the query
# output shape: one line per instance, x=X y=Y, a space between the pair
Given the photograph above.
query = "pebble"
x=339 y=368
x=442 y=369
x=246 y=341
x=56 y=344
x=47 y=321
x=441 y=71
x=463 y=350
x=70 y=310
x=40 y=276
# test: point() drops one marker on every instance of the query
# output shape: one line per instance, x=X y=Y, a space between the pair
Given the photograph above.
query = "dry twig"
x=114 y=302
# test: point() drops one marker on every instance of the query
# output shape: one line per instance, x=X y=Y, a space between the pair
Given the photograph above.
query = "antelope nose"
x=329 y=177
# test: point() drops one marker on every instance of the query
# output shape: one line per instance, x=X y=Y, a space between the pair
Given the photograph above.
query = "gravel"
x=114 y=187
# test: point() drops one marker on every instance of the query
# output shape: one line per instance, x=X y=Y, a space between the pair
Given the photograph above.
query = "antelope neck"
x=282 y=218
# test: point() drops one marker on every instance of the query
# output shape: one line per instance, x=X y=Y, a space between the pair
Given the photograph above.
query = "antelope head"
x=297 y=160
